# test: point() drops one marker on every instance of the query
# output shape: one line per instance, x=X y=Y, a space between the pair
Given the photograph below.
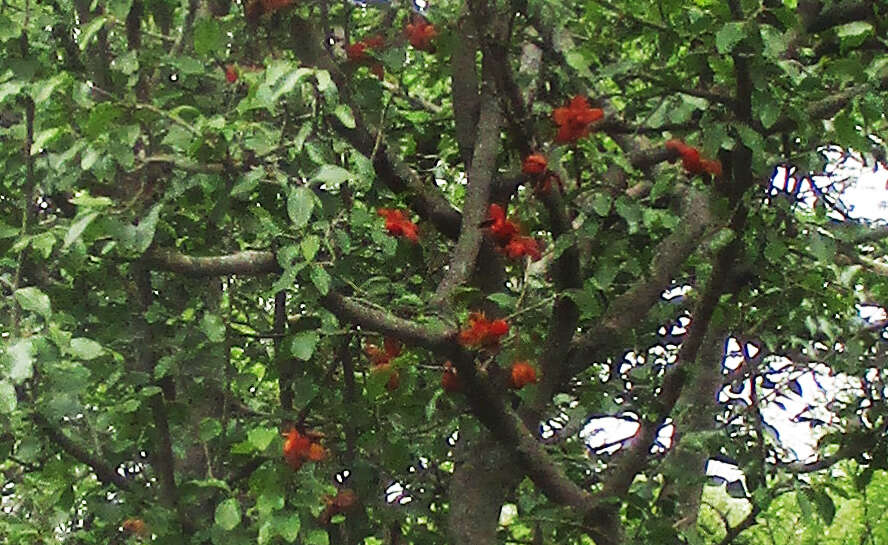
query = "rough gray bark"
x=483 y=479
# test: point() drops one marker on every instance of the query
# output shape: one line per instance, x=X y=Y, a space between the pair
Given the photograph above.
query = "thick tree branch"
x=350 y=311
x=239 y=263
x=839 y=14
x=487 y=145
x=105 y=473
x=465 y=88
x=162 y=458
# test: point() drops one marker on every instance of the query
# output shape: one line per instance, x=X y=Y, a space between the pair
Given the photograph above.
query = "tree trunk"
x=484 y=477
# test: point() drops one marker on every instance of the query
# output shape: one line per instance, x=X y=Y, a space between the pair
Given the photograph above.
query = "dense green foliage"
x=192 y=263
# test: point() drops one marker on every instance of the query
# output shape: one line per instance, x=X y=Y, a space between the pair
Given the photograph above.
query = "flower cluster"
x=256 y=8
x=481 y=332
x=534 y=164
x=574 y=119
x=521 y=374
x=691 y=160
x=381 y=361
x=357 y=53
x=398 y=224
x=298 y=448
x=505 y=233
x=450 y=380
x=420 y=34
x=344 y=500
x=230 y=73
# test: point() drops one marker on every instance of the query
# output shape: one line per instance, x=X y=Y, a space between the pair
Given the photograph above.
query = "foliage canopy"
x=211 y=335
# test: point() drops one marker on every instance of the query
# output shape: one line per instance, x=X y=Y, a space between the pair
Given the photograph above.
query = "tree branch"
x=104 y=472
x=487 y=144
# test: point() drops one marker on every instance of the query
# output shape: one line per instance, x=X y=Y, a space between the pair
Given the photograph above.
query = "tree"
x=245 y=245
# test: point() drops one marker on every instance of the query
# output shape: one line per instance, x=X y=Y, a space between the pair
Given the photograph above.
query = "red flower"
x=298 y=448
x=450 y=381
x=394 y=378
x=398 y=225
x=521 y=375
x=505 y=233
x=420 y=34
x=231 y=73
x=356 y=52
x=274 y=5
x=377 y=69
x=380 y=359
x=481 y=332
x=574 y=119
x=521 y=246
x=501 y=228
x=691 y=160
x=344 y=501
x=550 y=179
x=534 y=164
x=375 y=42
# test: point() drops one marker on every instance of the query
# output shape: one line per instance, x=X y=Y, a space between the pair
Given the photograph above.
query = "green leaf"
x=310 y=246
x=8 y=28
x=43 y=138
x=207 y=36
x=321 y=279
x=287 y=84
x=288 y=527
x=302 y=345
x=88 y=31
x=77 y=227
x=85 y=349
x=854 y=34
x=260 y=438
x=826 y=508
x=136 y=239
x=332 y=176
x=317 y=537
x=729 y=36
x=88 y=201
x=213 y=327
x=601 y=203
x=300 y=203
x=34 y=300
x=18 y=361
x=8 y=401
x=345 y=116
x=209 y=428
x=228 y=514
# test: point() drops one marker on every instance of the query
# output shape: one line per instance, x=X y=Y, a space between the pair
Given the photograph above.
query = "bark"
x=484 y=477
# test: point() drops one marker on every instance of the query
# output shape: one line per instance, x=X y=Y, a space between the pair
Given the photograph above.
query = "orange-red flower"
x=356 y=51
x=298 y=448
x=375 y=42
x=534 y=163
x=274 y=5
x=391 y=348
x=381 y=359
x=481 y=332
x=505 y=233
x=574 y=119
x=398 y=225
x=523 y=246
x=135 y=526
x=231 y=73
x=501 y=229
x=691 y=160
x=522 y=374
x=345 y=500
x=420 y=34
x=450 y=380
